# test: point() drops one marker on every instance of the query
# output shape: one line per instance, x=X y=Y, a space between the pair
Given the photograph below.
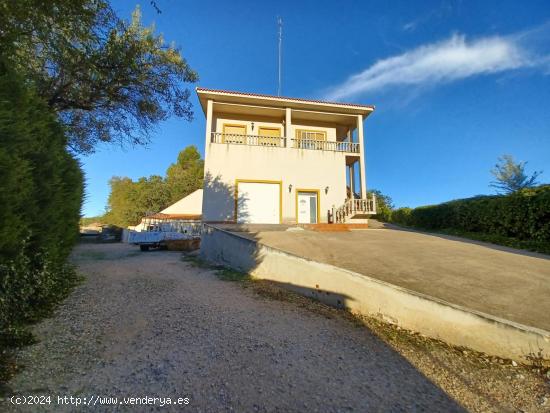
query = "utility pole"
x=280 y=24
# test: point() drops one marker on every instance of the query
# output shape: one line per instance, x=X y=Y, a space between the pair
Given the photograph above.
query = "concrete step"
x=333 y=227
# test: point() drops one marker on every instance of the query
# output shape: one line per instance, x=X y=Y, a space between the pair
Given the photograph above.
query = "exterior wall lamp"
x=326 y=190
x=290 y=188
x=252 y=125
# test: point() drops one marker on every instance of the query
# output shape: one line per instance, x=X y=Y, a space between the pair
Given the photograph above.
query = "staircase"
x=354 y=209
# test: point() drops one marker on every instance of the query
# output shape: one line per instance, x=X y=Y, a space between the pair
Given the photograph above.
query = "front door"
x=307 y=207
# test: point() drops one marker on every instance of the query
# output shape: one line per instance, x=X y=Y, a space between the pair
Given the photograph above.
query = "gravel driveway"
x=149 y=324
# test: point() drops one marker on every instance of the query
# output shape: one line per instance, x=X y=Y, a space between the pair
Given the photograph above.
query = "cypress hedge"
x=41 y=187
x=522 y=216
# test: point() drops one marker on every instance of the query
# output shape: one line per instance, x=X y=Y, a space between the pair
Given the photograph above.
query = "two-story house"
x=272 y=160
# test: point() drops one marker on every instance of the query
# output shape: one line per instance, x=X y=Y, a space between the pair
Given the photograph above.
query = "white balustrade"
x=275 y=141
x=355 y=207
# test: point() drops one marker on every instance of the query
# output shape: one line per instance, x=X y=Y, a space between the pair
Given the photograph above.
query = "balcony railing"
x=281 y=142
x=354 y=207
x=252 y=140
x=322 y=145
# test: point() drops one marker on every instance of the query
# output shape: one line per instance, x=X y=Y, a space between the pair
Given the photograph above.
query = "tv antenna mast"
x=280 y=24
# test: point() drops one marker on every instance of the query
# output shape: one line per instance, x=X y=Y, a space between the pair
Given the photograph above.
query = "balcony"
x=322 y=145
x=281 y=142
x=250 y=140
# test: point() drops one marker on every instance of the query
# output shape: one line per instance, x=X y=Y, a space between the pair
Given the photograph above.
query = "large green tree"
x=152 y=194
x=186 y=175
x=109 y=80
x=129 y=201
x=120 y=205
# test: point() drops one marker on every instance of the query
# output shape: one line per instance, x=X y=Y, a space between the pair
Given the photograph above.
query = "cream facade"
x=280 y=160
x=189 y=205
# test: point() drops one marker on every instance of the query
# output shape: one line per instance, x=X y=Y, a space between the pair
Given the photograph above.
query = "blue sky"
x=455 y=83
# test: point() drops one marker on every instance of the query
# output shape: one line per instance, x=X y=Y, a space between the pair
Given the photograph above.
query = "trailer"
x=163 y=231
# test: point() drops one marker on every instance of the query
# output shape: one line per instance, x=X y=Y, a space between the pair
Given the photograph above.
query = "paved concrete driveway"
x=500 y=281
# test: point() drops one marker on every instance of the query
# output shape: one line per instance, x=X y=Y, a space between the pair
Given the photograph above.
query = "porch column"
x=361 y=141
x=351 y=178
x=288 y=126
x=208 y=140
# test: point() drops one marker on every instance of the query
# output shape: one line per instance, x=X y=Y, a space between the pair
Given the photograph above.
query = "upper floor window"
x=310 y=139
x=311 y=134
x=269 y=136
x=234 y=133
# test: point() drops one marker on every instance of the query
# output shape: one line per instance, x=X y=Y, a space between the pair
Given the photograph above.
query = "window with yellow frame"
x=234 y=133
x=310 y=139
x=269 y=136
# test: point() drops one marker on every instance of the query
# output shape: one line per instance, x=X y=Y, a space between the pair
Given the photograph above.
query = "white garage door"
x=258 y=203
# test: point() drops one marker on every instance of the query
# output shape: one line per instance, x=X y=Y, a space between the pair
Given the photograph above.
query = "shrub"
x=523 y=215
x=384 y=206
x=42 y=189
x=401 y=216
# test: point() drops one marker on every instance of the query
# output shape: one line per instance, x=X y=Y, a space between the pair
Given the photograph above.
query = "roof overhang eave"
x=294 y=103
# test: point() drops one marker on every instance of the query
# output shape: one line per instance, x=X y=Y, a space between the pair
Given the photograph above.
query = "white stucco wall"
x=189 y=205
x=301 y=168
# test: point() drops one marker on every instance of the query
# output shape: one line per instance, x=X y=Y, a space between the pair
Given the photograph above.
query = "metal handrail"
x=252 y=140
x=323 y=145
x=185 y=226
x=276 y=141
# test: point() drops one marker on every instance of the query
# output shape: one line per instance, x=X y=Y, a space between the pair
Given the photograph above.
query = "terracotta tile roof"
x=203 y=89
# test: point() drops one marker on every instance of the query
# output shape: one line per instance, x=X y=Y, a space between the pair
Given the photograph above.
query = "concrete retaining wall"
x=364 y=295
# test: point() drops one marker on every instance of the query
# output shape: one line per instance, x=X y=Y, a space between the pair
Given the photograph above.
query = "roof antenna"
x=280 y=24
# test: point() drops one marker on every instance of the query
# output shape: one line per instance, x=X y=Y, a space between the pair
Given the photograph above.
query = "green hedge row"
x=41 y=187
x=524 y=215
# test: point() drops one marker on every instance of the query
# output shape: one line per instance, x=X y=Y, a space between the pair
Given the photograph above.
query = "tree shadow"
x=220 y=201
x=414 y=378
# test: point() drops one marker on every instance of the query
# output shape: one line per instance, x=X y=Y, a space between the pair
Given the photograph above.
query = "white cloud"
x=446 y=61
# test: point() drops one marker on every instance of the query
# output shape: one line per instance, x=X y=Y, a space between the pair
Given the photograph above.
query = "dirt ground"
x=153 y=324
x=501 y=281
